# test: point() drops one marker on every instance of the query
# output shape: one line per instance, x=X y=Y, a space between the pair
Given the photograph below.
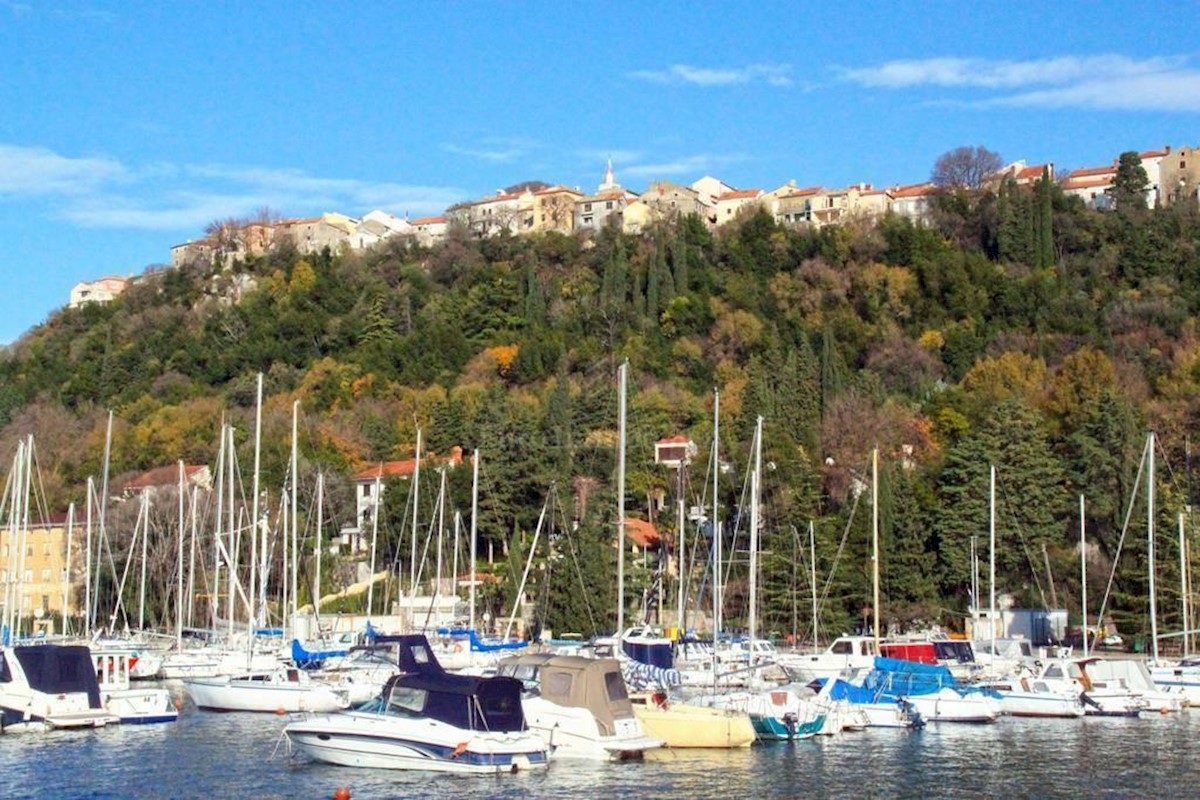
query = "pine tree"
x=1130 y=184
x=1043 y=192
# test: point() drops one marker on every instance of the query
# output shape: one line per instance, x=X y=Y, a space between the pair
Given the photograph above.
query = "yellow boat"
x=681 y=725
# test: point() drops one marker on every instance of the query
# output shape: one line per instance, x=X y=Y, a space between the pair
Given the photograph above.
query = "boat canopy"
x=425 y=689
x=57 y=669
x=592 y=683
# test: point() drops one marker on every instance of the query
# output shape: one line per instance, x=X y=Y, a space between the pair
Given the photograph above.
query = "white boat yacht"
x=579 y=706
x=1182 y=679
x=1023 y=697
x=1136 y=675
x=1100 y=697
x=132 y=706
x=846 y=653
x=48 y=686
x=284 y=689
x=428 y=719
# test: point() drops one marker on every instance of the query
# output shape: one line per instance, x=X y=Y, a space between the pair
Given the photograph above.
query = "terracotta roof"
x=403 y=469
x=428 y=221
x=558 y=190
x=744 y=194
x=642 y=533
x=613 y=195
x=804 y=192
x=1090 y=171
x=1086 y=183
x=1032 y=173
x=1154 y=153
x=674 y=440
x=914 y=190
x=304 y=221
x=161 y=476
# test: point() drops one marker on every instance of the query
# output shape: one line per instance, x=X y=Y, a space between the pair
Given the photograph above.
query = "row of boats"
x=392 y=703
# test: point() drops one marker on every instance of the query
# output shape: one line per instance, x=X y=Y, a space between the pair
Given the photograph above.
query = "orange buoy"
x=279 y=712
x=341 y=793
x=179 y=704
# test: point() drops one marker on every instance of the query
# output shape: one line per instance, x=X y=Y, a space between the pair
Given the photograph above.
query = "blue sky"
x=126 y=127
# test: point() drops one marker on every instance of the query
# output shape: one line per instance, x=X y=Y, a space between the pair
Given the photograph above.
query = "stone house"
x=102 y=290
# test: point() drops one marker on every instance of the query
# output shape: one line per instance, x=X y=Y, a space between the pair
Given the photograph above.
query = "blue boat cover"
x=59 y=669
x=892 y=678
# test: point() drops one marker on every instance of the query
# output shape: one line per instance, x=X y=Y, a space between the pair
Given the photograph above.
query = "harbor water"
x=243 y=756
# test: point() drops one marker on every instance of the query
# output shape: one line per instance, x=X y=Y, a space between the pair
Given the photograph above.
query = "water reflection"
x=240 y=755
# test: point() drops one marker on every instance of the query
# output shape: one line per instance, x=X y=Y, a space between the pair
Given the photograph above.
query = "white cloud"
x=38 y=171
x=104 y=193
x=495 y=150
x=695 y=165
x=1104 y=82
x=773 y=74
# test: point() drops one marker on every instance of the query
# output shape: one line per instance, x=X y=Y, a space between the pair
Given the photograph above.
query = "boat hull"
x=219 y=694
x=368 y=740
x=696 y=727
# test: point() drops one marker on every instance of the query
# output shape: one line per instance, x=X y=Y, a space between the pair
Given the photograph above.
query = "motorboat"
x=782 y=714
x=131 y=705
x=49 y=686
x=844 y=654
x=281 y=690
x=1134 y=674
x=879 y=711
x=428 y=719
x=1100 y=697
x=1182 y=679
x=579 y=706
x=691 y=726
x=1023 y=697
x=931 y=690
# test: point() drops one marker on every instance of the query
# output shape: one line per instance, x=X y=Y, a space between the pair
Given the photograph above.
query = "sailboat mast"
x=317 y=547
x=681 y=543
x=716 y=524
x=1183 y=587
x=416 y=494
x=474 y=530
x=1150 y=545
x=992 y=556
x=295 y=509
x=87 y=566
x=254 y=571
x=179 y=565
x=103 y=537
x=1083 y=574
x=812 y=567
x=755 y=497
x=875 y=542
x=623 y=374
x=145 y=543
x=67 y=566
x=374 y=542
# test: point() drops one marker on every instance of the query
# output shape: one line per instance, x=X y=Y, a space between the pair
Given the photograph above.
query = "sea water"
x=243 y=756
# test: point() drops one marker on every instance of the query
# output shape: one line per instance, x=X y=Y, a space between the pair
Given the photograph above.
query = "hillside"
x=1021 y=329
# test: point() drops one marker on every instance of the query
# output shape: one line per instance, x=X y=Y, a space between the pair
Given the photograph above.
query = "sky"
x=126 y=127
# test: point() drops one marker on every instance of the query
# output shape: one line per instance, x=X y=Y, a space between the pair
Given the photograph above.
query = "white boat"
x=1182 y=679
x=132 y=706
x=1134 y=674
x=579 y=706
x=47 y=686
x=428 y=719
x=213 y=662
x=1023 y=697
x=844 y=654
x=285 y=689
x=1106 y=698
x=362 y=673
x=951 y=705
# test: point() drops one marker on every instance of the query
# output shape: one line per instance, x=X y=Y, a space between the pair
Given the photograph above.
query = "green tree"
x=1130 y=184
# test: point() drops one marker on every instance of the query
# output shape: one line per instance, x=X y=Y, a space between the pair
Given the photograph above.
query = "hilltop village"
x=535 y=207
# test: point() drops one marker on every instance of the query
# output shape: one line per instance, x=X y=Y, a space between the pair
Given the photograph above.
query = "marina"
x=240 y=755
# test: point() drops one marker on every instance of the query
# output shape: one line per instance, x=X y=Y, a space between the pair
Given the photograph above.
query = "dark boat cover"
x=60 y=669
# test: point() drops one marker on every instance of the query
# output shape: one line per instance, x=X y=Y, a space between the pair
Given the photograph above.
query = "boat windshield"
x=615 y=685
x=406 y=701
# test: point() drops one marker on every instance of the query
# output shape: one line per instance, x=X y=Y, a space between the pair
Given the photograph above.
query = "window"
x=558 y=684
x=28 y=577
x=407 y=701
x=587 y=206
x=46 y=548
x=842 y=648
x=608 y=205
x=587 y=220
x=615 y=685
x=46 y=574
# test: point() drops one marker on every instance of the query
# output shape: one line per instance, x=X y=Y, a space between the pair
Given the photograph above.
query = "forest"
x=1019 y=329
